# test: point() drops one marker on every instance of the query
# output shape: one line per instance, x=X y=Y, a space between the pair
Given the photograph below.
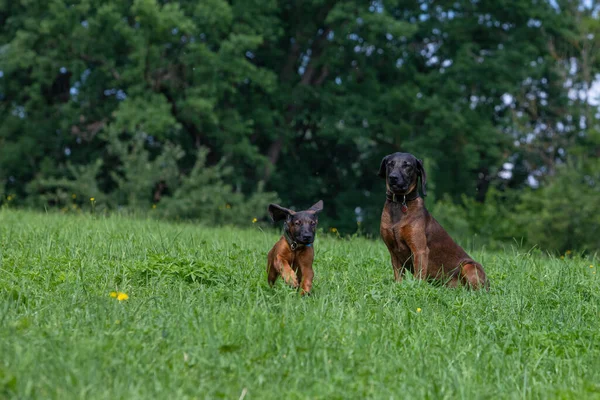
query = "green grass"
x=201 y=321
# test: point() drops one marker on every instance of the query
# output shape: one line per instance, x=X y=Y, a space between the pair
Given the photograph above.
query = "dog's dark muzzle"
x=398 y=188
x=398 y=184
x=305 y=237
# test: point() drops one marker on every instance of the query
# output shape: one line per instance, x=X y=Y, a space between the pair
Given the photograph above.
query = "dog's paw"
x=291 y=280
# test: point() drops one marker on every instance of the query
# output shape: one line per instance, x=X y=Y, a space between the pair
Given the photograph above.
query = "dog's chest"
x=301 y=258
x=391 y=231
x=393 y=239
x=392 y=236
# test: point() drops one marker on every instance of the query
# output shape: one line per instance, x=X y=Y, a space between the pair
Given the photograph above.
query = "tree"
x=302 y=98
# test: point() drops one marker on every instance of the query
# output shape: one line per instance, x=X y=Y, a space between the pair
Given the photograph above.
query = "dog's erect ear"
x=317 y=207
x=382 y=167
x=422 y=176
x=279 y=213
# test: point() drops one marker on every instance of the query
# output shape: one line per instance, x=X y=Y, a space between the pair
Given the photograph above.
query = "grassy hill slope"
x=201 y=322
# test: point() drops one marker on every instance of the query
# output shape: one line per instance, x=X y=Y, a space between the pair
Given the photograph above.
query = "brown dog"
x=292 y=256
x=415 y=240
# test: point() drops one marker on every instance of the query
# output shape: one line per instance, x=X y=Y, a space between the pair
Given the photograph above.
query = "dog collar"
x=397 y=198
x=394 y=198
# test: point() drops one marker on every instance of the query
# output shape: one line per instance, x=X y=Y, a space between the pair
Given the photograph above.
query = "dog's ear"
x=422 y=176
x=382 y=167
x=317 y=207
x=279 y=213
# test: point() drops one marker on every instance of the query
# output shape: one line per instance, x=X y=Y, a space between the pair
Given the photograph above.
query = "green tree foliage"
x=563 y=215
x=302 y=99
x=205 y=194
x=140 y=183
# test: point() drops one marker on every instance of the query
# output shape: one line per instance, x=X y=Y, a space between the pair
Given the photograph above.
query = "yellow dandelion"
x=9 y=197
x=73 y=196
x=568 y=252
x=227 y=205
x=113 y=294
x=419 y=309
x=153 y=206
x=333 y=230
x=122 y=296
x=562 y=257
x=591 y=266
x=254 y=220
x=92 y=199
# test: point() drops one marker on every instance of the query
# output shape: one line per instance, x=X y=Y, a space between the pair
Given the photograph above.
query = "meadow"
x=120 y=308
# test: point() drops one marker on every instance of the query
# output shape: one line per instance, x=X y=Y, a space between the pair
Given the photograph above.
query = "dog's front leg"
x=421 y=258
x=272 y=273
x=398 y=266
x=286 y=271
x=307 y=278
x=420 y=252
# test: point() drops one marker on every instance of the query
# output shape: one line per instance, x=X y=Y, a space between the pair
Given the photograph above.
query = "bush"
x=71 y=193
x=2 y=190
x=137 y=174
x=490 y=223
x=203 y=194
x=564 y=214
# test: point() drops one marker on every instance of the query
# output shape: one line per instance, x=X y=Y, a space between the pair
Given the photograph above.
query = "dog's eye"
x=297 y=222
x=313 y=222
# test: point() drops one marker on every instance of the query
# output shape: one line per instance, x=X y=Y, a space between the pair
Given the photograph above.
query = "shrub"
x=137 y=174
x=203 y=194
x=490 y=222
x=70 y=193
x=2 y=190
x=564 y=214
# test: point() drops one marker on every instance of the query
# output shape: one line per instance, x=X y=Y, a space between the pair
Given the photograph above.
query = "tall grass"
x=201 y=321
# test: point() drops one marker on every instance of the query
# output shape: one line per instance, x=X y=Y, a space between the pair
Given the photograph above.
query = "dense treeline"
x=210 y=109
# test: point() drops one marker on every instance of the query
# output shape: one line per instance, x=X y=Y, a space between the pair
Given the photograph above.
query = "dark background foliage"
x=211 y=109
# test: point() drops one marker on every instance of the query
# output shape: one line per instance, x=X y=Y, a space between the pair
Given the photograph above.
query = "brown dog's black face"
x=301 y=225
x=401 y=172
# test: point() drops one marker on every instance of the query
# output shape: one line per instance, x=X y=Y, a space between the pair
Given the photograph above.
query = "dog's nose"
x=393 y=179
x=306 y=238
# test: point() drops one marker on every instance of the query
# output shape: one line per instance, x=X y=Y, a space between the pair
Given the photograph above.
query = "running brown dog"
x=292 y=256
x=415 y=240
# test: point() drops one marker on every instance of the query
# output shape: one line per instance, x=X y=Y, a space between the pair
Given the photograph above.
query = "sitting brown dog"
x=415 y=240
x=292 y=256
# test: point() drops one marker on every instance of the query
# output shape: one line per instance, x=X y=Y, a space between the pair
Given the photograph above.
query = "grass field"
x=201 y=322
